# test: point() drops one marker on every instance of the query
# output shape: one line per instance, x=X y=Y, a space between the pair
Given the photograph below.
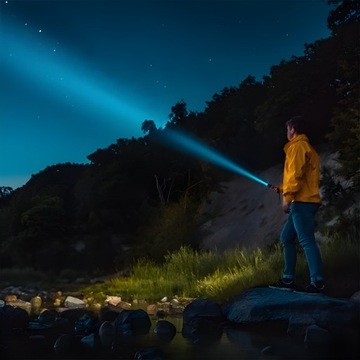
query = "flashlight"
x=274 y=188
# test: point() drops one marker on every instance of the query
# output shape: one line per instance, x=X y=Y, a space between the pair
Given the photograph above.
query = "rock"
x=13 y=318
x=317 y=335
x=175 y=307
x=35 y=305
x=165 y=330
x=355 y=297
x=72 y=302
x=64 y=344
x=151 y=309
x=202 y=321
x=107 y=334
x=175 y=303
x=203 y=308
x=18 y=303
x=85 y=324
x=10 y=298
x=109 y=313
x=132 y=323
x=258 y=305
x=57 y=302
x=113 y=300
x=47 y=317
x=89 y=341
x=124 y=305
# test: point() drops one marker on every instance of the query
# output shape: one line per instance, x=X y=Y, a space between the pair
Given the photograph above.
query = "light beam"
x=67 y=79
x=192 y=146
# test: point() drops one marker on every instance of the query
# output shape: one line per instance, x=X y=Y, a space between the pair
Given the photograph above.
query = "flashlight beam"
x=197 y=148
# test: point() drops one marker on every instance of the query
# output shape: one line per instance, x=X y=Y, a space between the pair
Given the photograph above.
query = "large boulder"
x=13 y=318
x=203 y=321
x=132 y=323
x=260 y=305
x=165 y=330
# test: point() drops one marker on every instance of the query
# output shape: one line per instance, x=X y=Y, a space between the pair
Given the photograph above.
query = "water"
x=234 y=344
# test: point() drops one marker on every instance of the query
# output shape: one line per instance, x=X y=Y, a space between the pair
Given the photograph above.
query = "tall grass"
x=219 y=276
x=188 y=273
x=222 y=276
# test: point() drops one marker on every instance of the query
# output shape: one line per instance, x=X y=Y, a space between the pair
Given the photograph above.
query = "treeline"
x=139 y=197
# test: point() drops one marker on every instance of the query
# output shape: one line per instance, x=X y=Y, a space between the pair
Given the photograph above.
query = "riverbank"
x=261 y=323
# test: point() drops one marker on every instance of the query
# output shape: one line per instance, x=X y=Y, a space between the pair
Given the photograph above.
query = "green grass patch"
x=210 y=274
x=223 y=276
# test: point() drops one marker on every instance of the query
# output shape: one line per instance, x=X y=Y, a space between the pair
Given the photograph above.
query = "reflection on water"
x=233 y=344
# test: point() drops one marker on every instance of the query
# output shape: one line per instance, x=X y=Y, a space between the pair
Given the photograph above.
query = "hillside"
x=247 y=214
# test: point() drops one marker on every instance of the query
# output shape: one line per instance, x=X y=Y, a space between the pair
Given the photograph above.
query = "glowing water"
x=193 y=146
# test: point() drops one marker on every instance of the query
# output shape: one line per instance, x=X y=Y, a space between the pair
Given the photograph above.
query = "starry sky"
x=76 y=75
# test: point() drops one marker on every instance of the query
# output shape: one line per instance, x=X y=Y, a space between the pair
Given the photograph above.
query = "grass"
x=213 y=275
x=221 y=277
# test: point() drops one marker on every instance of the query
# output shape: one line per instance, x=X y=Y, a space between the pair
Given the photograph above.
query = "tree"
x=344 y=22
x=178 y=115
x=148 y=126
x=347 y=12
x=5 y=191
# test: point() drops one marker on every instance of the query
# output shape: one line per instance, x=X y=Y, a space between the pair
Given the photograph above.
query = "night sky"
x=77 y=75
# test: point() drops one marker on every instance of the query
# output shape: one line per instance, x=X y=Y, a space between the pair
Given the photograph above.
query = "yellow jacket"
x=301 y=176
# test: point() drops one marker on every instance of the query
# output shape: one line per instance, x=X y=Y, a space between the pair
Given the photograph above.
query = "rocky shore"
x=54 y=325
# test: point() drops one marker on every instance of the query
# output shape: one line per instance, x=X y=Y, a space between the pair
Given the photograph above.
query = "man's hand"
x=286 y=206
x=275 y=189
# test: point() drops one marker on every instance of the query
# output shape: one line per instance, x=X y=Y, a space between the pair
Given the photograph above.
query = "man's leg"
x=303 y=218
x=287 y=240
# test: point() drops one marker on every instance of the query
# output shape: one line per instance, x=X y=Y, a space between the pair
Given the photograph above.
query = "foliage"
x=346 y=228
x=169 y=228
x=5 y=191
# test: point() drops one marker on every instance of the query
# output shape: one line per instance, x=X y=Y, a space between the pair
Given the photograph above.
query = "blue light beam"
x=67 y=79
x=192 y=146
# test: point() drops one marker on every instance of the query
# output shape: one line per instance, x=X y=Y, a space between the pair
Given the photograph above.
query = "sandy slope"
x=245 y=215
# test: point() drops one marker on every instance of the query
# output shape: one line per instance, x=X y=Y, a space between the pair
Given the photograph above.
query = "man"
x=301 y=199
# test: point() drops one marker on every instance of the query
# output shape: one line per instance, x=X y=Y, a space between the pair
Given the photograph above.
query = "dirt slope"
x=246 y=214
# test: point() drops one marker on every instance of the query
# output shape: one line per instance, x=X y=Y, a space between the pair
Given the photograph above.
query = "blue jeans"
x=300 y=225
